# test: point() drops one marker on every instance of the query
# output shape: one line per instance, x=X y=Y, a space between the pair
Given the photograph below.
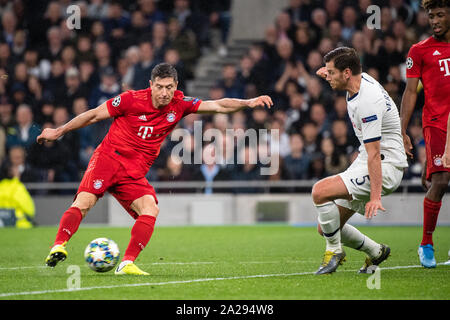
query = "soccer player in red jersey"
x=446 y=156
x=429 y=61
x=142 y=120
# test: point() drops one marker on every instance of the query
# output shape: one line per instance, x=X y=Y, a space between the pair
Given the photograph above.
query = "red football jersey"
x=429 y=60
x=139 y=128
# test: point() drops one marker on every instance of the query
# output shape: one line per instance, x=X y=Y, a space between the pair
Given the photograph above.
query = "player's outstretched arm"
x=446 y=156
x=230 y=105
x=406 y=110
x=86 y=118
x=375 y=176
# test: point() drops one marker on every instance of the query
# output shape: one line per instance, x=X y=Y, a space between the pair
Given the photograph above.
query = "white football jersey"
x=375 y=116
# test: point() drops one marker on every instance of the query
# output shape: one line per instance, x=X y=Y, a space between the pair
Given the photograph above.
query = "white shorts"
x=356 y=179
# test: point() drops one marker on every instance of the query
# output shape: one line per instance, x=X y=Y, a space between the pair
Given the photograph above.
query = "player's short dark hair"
x=432 y=4
x=164 y=70
x=343 y=58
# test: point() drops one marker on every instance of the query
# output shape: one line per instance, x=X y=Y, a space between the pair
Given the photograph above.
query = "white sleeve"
x=371 y=116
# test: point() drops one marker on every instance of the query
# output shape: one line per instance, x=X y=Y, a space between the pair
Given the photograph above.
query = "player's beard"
x=340 y=84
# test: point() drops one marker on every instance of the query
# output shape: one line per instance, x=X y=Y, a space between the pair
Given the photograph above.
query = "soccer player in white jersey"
x=376 y=172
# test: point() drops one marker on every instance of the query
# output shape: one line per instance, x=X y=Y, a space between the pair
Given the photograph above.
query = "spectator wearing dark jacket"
x=143 y=69
x=247 y=169
x=175 y=170
x=211 y=170
x=26 y=131
x=72 y=90
x=50 y=159
x=297 y=162
x=107 y=89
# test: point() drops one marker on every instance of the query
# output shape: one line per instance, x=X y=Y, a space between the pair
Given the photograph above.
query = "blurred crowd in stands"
x=50 y=73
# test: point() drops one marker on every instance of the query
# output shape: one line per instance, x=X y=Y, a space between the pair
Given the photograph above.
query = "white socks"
x=329 y=220
x=353 y=238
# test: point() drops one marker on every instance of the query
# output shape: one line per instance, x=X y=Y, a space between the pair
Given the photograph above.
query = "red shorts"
x=435 y=139
x=105 y=173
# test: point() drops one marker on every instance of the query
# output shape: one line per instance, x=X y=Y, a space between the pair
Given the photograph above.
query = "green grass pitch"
x=261 y=262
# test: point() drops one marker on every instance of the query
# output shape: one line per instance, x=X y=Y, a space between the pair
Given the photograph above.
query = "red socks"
x=140 y=236
x=430 y=215
x=140 y=233
x=68 y=225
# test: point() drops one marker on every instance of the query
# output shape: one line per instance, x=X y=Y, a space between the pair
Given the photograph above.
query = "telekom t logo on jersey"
x=444 y=64
x=144 y=132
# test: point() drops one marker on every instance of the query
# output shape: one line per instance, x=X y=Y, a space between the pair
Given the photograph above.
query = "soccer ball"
x=102 y=254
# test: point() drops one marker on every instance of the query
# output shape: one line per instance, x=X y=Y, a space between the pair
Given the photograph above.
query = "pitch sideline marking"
x=8 y=294
x=154 y=263
x=167 y=263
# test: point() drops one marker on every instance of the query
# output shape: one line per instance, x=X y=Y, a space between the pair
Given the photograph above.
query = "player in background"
x=429 y=62
x=446 y=162
x=446 y=156
x=376 y=172
x=142 y=120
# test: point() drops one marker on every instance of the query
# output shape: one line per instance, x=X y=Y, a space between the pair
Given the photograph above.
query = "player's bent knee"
x=329 y=189
x=317 y=193
x=84 y=201
x=151 y=212
x=145 y=205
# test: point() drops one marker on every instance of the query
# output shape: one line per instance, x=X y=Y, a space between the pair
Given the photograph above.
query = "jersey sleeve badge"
x=188 y=99
x=409 y=63
x=116 y=101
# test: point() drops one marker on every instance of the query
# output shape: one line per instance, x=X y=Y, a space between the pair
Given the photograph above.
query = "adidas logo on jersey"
x=143 y=117
x=436 y=53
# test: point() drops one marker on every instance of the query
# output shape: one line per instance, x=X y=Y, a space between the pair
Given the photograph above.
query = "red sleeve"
x=414 y=63
x=120 y=104
x=190 y=105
